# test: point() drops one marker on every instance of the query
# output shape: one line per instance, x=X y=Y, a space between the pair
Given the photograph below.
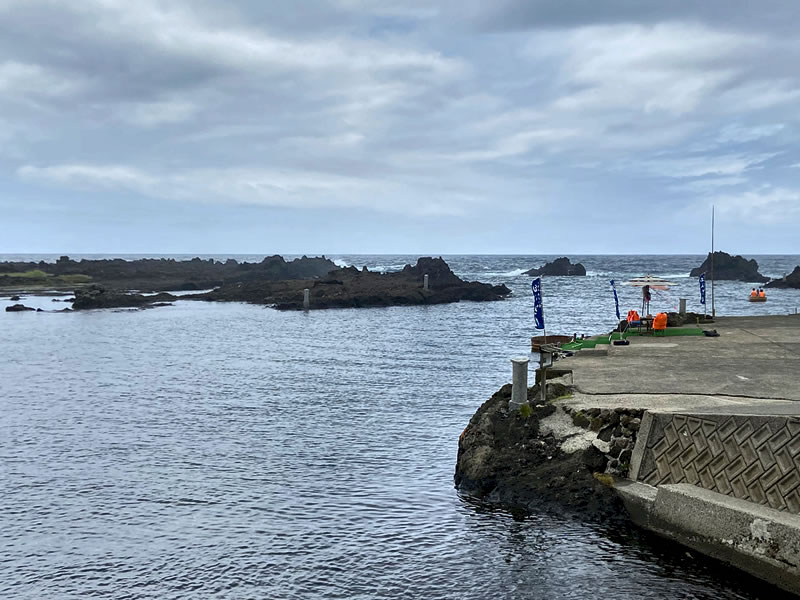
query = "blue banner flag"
x=616 y=299
x=538 y=311
x=703 y=288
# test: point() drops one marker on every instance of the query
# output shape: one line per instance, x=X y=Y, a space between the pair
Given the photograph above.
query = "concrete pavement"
x=754 y=358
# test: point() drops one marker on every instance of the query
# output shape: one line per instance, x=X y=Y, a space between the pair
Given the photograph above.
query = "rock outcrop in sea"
x=559 y=267
x=727 y=267
x=19 y=308
x=352 y=288
x=96 y=296
x=792 y=280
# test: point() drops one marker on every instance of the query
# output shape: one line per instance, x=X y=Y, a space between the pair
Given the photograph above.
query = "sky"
x=418 y=127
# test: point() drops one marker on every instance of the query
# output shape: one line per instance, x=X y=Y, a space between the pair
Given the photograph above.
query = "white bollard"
x=425 y=281
x=682 y=309
x=306 y=298
x=519 y=383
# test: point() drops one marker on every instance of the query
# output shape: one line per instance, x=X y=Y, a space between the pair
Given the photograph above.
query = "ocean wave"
x=387 y=268
x=341 y=263
x=513 y=273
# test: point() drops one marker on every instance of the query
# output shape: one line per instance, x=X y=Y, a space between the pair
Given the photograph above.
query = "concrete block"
x=641 y=444
x=755 y=538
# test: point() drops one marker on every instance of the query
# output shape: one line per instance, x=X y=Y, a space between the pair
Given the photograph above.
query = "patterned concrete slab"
x=754 y=458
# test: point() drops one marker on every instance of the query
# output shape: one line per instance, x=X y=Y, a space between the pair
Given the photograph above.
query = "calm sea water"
x=231 y=451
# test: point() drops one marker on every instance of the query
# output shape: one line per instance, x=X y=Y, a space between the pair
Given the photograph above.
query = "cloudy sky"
x=348 y=126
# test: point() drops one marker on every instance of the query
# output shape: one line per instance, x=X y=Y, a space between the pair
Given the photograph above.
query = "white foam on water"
x=513 y=273
x=340 y=263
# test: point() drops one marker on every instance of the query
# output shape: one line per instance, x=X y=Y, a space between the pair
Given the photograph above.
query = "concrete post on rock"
x=682 y=309
x=425 y=282
x=519 y=383
x=306 y=298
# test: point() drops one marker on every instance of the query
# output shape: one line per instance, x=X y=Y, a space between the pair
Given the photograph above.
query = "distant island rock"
x=352 y=288
x=727 y=267
x=789 y=281
x=559 y=267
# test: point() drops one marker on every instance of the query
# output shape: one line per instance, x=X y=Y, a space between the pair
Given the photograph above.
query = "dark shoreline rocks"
x=96 y=296
x=791 y=281
x=19 y=308
x=559 y=267
x=153 y=275
x=732 y=268
x=352 y=288
x=341 y=288
x=505 y=458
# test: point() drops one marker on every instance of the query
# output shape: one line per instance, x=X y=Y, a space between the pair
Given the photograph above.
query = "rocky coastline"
x=155 y=275
x=353 y=288
x=273 y=282
x=548 y=457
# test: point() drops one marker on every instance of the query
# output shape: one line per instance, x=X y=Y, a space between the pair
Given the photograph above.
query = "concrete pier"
x=716 y=461
x=519 y=383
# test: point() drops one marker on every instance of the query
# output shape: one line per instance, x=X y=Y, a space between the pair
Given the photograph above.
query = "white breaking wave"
x=514 y=273
x=340 y=263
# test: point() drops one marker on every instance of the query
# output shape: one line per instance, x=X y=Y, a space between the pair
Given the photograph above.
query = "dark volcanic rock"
x=96 y=296
x=789 y=281
x=18 y=308
x=351 y=288
x=167 y=273
x=503 y=457
x=559 y=267
x=14 y=298
x=727 y=267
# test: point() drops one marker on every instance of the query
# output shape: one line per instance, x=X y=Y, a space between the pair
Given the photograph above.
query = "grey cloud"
x=770 y=15
x=357 y=105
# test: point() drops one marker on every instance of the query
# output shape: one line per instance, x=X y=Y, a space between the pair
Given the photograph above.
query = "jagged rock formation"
x=727 y=267
x=559 y=267
x=792 y=280
x=353 y=288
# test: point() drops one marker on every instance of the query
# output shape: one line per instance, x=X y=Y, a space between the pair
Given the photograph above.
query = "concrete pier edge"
x=757 y=539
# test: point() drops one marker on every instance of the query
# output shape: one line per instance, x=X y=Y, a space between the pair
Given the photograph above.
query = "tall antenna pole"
x=713 y=311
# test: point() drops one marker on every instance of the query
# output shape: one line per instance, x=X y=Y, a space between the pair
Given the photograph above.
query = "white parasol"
x=647 y=283
x=655 y=283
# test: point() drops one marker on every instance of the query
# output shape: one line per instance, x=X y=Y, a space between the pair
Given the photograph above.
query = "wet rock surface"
x=559 y=267
x=96 y=296
x=514 y=460
x=353 y=288
x=19 y=308
x=727 y=267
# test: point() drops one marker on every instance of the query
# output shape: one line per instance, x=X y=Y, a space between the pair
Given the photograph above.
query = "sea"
x=226 y=450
